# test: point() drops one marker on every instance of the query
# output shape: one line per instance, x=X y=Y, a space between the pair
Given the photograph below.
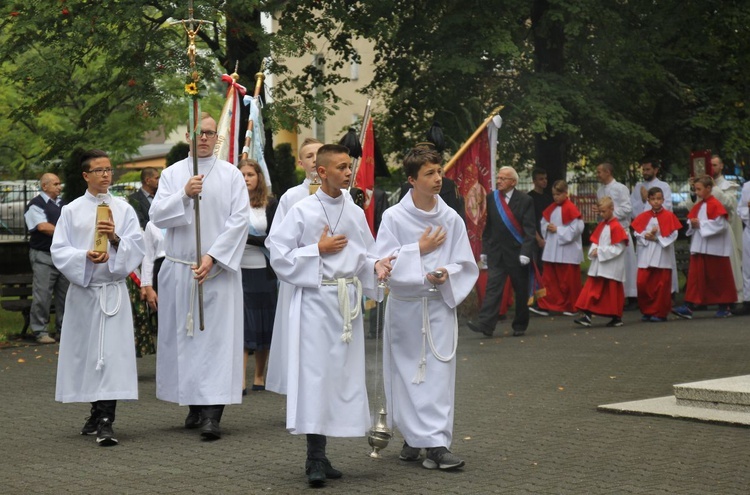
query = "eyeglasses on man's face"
x=503 y=179
x=100 y=171
x=207 y=134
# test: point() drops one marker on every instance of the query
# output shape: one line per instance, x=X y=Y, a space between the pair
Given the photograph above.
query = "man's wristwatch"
x=115 y=242
x=212 y=259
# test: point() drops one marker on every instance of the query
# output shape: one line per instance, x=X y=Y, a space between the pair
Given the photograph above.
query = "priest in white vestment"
x=97 y=348
x=421 y=327
x=201 y=368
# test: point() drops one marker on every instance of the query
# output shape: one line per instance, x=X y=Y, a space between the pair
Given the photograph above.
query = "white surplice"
x=609 y=261
x=326 y=390
x=97 y=348
x=421 y=325
x=204 y=368
x=713 y=236
x=659 y=253
x=623 y=211
x=276 y=378
x=565 y=245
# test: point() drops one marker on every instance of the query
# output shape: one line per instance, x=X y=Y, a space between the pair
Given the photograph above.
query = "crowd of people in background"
x=283 y=281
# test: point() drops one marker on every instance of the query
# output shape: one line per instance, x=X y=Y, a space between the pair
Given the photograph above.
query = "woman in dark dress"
x=258 y=279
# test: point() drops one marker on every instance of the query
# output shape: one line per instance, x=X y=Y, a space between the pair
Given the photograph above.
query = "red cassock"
x=710 y=280
x=602 y=296
x=563 y=284
x=655 y=291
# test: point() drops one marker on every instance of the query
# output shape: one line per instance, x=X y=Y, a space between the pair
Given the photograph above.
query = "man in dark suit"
x=508 y=241
x=141 y=199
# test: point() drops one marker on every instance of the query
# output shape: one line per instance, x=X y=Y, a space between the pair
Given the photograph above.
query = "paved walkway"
x=526 y=423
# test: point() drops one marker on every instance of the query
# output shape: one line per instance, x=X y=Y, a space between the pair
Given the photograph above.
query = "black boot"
x=211 y=416
x=193 y=419
x=318 y=468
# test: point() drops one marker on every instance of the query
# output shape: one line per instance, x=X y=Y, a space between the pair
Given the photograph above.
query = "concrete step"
x=727 y=394
x=725 y=401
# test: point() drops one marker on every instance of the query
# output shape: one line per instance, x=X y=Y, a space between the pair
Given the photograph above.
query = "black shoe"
x=615 y=322
x=92 y=423
x=193 y=419
x=316 y=473
x=475 y=328
x=105 y=435
x=210 y=429
x=584 y=320
x=519 y=333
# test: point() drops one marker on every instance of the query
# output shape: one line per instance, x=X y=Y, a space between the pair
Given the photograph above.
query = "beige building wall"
x=351 y=109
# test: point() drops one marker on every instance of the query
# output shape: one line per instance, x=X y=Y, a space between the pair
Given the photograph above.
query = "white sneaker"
x=538 y=311
x=45 y=339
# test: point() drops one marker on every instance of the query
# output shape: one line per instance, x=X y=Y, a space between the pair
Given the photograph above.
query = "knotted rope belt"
x=345 y=306
x=427 y=335
x=189 y=324
x=118 y=284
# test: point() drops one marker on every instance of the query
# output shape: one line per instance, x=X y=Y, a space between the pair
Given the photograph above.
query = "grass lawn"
x=11 y=324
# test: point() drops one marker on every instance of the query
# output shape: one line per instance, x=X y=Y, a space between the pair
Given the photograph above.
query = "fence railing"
x=14 y=196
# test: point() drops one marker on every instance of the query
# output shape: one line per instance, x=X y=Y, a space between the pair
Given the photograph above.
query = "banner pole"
x=471 y=140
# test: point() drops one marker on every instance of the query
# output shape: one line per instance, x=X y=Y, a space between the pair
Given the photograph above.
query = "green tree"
x=584 y=79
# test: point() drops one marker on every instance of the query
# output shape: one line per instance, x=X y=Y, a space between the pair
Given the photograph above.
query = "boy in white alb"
x=97 y=347
x=321 y=248
x=428 y=239
x=276 y=378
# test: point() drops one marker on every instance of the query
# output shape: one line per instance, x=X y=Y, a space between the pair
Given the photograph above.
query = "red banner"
x=473 y=176
x=365 y=179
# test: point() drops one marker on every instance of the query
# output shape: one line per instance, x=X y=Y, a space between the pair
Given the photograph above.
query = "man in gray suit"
x=508 y=241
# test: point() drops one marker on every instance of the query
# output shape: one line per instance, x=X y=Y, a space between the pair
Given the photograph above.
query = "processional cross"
x=192 y=90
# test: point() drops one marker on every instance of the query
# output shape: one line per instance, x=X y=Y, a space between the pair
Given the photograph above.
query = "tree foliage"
x=579 y=79
x=85 y=74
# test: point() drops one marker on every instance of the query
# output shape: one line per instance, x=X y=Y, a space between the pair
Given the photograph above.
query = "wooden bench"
x=15 y=295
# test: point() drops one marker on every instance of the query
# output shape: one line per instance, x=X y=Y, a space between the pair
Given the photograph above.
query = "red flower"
x=14 y=14
x=131 y=83
x=65 y=11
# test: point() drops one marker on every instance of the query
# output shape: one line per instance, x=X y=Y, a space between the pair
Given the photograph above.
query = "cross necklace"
x=328 y=220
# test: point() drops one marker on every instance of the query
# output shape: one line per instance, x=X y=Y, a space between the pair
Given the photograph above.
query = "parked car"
x=124 y=189
x=14 y=196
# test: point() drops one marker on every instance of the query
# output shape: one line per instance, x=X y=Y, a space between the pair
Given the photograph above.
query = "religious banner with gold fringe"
x=228 y=128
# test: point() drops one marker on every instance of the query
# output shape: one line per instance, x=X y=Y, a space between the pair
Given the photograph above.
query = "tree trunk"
x=549 y=58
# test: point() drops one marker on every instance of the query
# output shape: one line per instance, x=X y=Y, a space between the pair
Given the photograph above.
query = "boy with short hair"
x=562 y=227
x=320 y=248
x=603 y=293
x=276 y=378
x=434 y=271
x=710 y=279
x=655 y=232
x=97 y=347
